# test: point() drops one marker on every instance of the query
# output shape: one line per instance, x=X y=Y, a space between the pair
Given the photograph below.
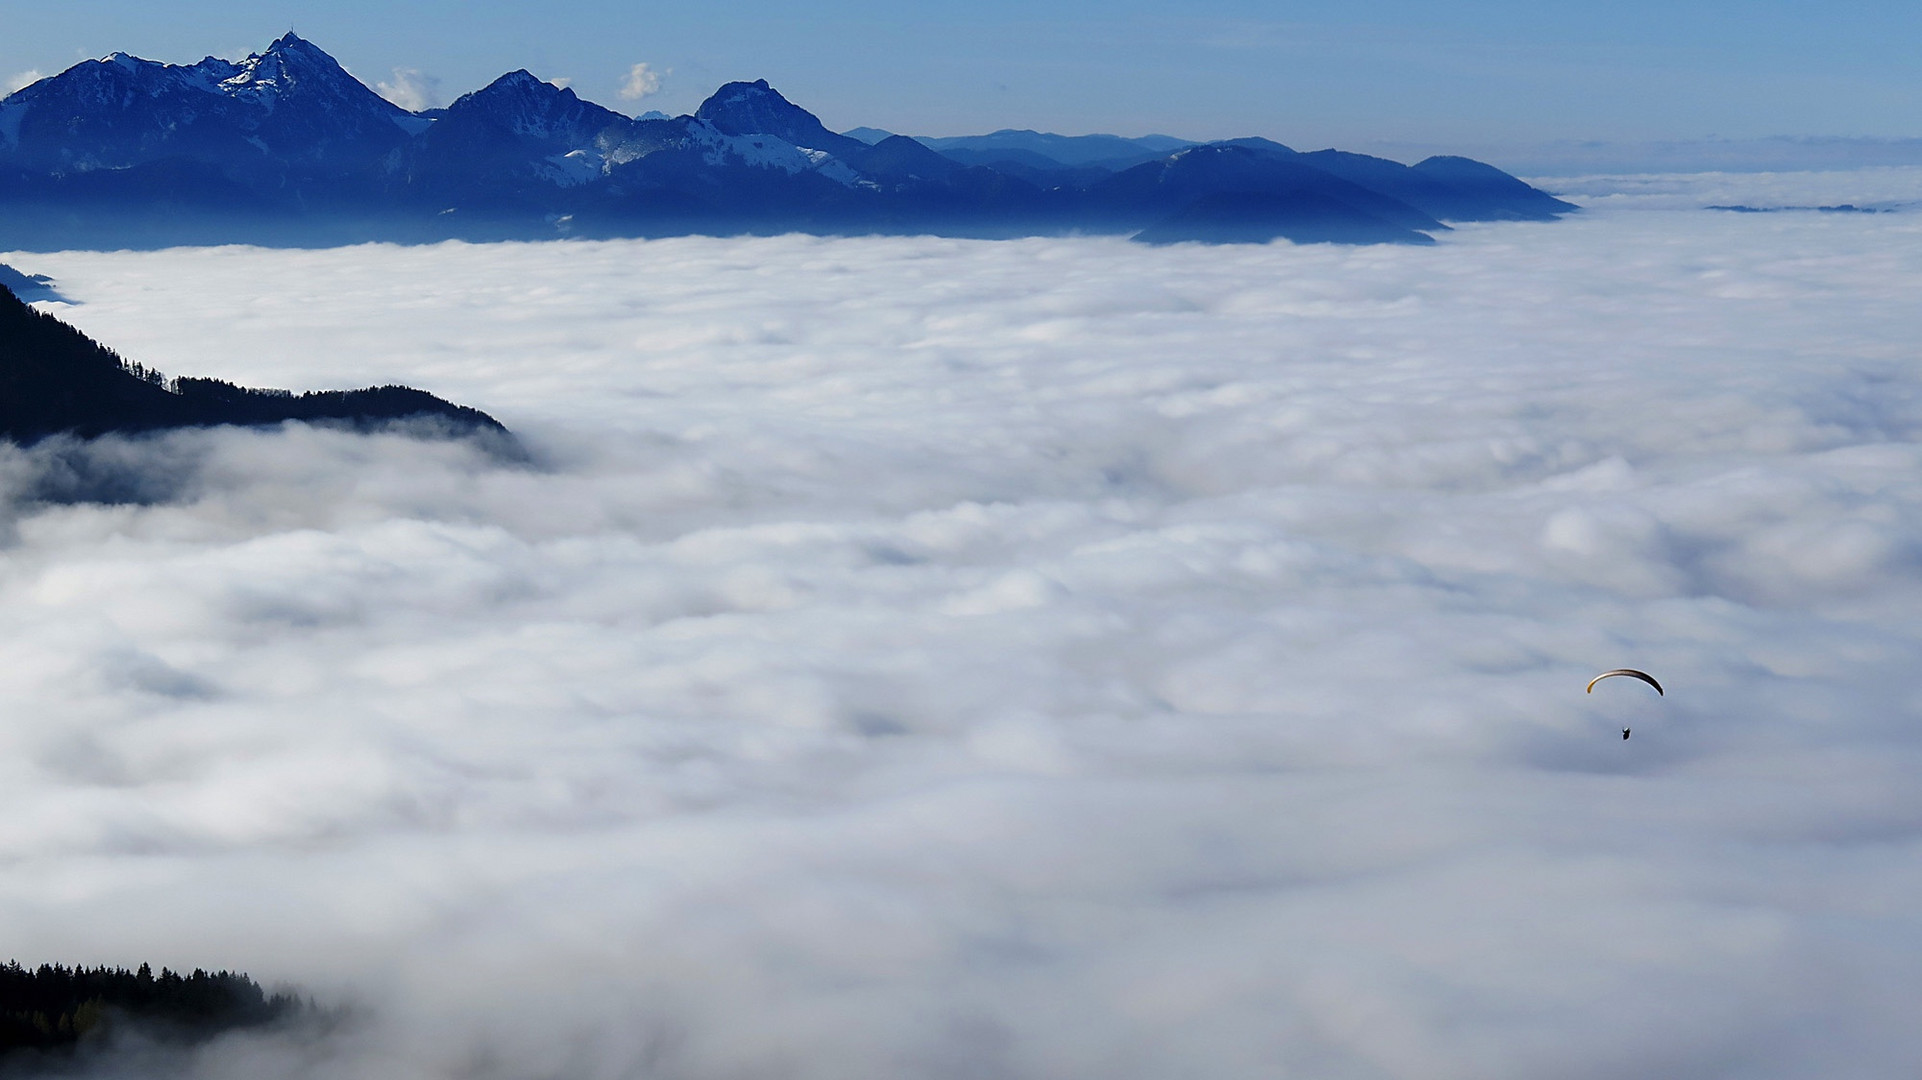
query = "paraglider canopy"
x=1629 y=672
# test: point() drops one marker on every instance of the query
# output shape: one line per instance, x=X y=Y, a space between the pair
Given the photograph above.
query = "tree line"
x=51 y=1006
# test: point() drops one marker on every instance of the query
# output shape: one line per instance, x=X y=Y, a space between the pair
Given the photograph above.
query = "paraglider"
x=1631 y=673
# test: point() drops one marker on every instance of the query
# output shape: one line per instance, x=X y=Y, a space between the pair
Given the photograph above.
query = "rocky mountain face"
x=287 y=147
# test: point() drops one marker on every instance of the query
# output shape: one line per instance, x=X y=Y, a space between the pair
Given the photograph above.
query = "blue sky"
x=1476 y=71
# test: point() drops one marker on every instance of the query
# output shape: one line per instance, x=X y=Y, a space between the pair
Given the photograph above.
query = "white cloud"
x=1038 y=658
x=641 y=81
x=21 y=80
x=411 y=89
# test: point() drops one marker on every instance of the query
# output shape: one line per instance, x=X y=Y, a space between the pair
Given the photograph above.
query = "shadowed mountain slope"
x=288 y=110
x=755 y=108
x=1224 y=182
x=56 y=380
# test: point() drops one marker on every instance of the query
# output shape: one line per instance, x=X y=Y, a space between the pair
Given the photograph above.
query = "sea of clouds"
x=906 y=657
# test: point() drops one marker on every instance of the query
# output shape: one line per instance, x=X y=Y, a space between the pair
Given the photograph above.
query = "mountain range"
x=287 y=147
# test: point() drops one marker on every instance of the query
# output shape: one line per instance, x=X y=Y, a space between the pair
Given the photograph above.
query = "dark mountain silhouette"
x=898 y=157
x=1491 y=194
x=1441 y=188
x=1110 y=152
x=754 y=108
x=1032 y=167
x=1226 y=179
x=285 y=147
x=56 y=380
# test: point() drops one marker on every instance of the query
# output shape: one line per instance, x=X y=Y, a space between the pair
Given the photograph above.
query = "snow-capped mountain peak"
x=290 y=102
x=291 y=65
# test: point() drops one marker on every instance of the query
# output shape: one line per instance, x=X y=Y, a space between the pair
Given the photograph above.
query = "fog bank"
x=924 y=658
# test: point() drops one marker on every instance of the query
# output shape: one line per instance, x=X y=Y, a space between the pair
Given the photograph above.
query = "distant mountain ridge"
x=1114 y=152
x=287 y=147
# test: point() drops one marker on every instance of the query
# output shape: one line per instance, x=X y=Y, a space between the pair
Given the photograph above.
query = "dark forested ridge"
x=56 y=380
x=51 y=1007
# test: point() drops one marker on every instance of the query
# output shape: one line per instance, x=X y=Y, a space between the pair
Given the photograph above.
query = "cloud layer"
x=913 y=657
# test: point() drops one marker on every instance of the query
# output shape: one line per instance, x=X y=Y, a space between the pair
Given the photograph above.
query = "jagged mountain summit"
x=287 y=147
x=287 y=107
x=755 y=108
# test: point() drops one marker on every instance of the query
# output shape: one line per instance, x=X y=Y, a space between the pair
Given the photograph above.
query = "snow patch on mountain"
x=832 y=167
x=260 y=78
x=767 y=152
x=764 y=151
x=573 y=169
